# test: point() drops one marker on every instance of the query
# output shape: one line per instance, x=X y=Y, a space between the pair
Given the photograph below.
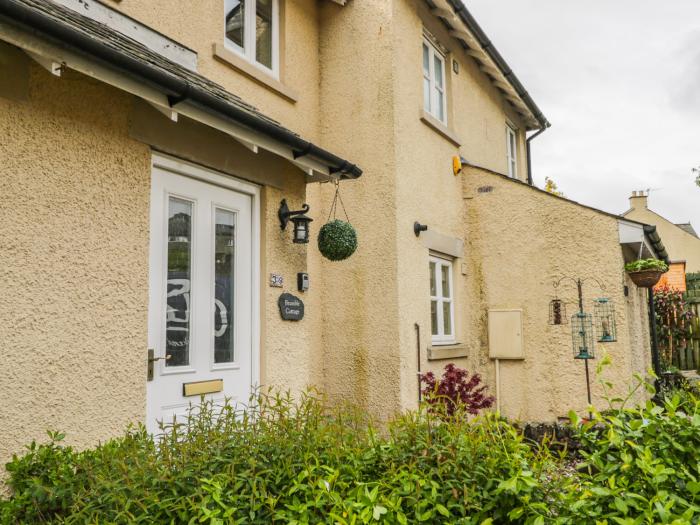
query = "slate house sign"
x=291 y=307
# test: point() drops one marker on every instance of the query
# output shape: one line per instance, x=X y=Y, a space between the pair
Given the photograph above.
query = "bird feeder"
x=604 y=314
x=557 y=312
x=582 y=336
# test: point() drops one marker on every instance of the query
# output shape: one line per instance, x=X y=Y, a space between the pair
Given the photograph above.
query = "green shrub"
x=641 y=465
x=282 y=461
x=285 y=462
x=646 y=264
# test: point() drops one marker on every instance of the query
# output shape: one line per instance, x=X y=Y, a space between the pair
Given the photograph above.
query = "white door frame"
x=194 y=171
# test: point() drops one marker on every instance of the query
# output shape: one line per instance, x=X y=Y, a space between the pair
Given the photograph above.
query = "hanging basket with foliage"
x=337 y=239
x=645 y=273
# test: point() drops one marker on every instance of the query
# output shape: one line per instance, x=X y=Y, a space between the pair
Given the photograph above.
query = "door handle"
x=152 y=359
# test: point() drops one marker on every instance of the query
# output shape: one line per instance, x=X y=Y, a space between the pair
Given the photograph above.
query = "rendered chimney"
x=638 y=200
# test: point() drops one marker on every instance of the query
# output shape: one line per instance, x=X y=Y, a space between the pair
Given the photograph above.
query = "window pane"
x=447 y=317
x=440 y=105
x=445 y=281
x=224 y=286
x=433 y=288
x=235 y=21
x=433 y=317
x=263 y=32
x=177 y=315
x=438 y=71
x=426 y=95
x=426 y=60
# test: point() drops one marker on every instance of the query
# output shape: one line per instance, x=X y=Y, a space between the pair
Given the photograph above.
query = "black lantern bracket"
x=285 y=214
x=300 y=220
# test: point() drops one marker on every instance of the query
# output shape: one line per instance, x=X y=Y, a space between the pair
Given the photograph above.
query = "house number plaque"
x=291 y=307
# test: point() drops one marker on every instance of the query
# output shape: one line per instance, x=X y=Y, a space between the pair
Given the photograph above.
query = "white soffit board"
x=37 y=47
x=630 y=232
x=135 y=30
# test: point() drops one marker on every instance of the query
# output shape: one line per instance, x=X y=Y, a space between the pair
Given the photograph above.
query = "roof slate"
x=687 y=227
x=126 y=45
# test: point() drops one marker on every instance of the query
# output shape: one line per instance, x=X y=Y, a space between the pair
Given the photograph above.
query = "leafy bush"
x=287 y=462
x=674 y=318
x=282 y=462
x=456 y=391
x=640 y=465
x=646 y=264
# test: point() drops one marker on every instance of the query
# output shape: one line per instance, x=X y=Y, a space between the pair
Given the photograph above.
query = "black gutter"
x=529 y=154
x=175 y=87
x=656 y=243
x=491 y=50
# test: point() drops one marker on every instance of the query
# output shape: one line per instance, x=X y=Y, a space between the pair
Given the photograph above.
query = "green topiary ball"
x=337 y=240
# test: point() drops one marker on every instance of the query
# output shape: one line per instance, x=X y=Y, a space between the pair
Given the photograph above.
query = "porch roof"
x=58 y=37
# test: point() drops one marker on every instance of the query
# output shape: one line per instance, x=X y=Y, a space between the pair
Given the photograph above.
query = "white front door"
x=201 y=310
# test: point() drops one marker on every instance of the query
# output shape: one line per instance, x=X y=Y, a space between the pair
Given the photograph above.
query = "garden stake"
x=579 y=285
x=582 y=332
x=417 y=326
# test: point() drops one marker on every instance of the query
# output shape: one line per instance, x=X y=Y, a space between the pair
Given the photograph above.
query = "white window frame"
x=434 y=53
x=441 y=338
x=512 y=151
x=248 y=51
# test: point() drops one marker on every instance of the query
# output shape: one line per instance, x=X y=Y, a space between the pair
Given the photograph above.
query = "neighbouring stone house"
x=147 y=146
x=681 y=240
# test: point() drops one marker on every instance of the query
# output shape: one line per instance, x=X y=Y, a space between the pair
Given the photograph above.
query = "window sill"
x=254 y=73
x=439 y=127
x=436 y=353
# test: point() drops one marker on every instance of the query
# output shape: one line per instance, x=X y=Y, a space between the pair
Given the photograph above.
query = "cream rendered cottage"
x=146 y=148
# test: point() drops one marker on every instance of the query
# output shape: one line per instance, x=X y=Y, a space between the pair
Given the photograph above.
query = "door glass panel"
x=224 y=285
x=263 y=32
x=235 y=21
x=177 y=315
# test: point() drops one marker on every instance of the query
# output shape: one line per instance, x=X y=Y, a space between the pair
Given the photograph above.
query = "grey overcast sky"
x=620 y=82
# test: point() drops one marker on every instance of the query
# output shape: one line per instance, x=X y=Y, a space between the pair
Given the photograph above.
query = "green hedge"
x=302 y=462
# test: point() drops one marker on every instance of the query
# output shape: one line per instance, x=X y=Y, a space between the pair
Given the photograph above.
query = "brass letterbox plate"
x=202 y=387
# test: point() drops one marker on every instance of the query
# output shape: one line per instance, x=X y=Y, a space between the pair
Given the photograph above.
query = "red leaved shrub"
x=455 y=391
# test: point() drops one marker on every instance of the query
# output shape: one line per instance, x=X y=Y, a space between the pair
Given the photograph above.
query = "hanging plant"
x=645 y=273
x=337 y=239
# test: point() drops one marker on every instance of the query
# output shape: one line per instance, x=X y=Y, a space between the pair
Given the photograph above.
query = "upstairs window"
x=441 y=302
x=512 y=152
x=434 y=82
x=252 y=30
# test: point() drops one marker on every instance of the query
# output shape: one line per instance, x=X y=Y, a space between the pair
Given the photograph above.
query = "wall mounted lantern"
x=300 y=221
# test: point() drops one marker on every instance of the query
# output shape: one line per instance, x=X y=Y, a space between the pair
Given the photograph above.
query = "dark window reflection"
x=177 y=318
x=224 y=287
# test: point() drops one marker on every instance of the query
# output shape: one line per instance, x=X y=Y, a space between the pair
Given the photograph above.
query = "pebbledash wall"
x=519 y=241
x=75 y=229
x=76 y=226
x=376 y=299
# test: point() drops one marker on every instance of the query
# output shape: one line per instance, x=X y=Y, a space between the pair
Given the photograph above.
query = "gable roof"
x=175 y=84
x=464 y=27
